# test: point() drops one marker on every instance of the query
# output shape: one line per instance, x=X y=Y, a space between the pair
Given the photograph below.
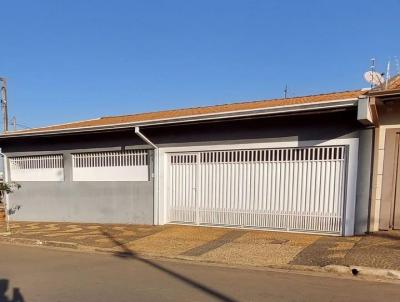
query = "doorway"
x=395 y=211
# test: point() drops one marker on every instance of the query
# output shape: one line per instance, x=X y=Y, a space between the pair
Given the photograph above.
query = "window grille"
x=130 y=165
x=37 y=168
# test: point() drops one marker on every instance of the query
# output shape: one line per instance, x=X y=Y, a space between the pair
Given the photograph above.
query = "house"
x=385 y=190
x=309 y=164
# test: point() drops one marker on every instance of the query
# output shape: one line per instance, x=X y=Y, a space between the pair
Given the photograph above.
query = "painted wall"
x=389 y=118
x=364 y=178
x=101 y=202
x=133 y=202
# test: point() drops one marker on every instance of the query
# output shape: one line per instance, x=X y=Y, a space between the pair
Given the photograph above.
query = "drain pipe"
x=155 y=174
x=143 y=137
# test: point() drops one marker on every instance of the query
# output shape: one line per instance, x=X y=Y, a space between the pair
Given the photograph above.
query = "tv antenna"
x=16 y=125
x=4 y=103
x=285 y=91
x=387 y=74
x=373 y=77
x=396 y=61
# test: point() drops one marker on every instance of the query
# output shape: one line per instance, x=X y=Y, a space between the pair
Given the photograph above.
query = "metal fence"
x=37 y=168
x=282 y=188
x=130 y=165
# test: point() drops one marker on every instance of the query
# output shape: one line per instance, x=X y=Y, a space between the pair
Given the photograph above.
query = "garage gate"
x=298 y=189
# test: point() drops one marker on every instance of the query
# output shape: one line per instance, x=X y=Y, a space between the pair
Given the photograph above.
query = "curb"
x=363 y=271
x=37 y=242
x=355 y=271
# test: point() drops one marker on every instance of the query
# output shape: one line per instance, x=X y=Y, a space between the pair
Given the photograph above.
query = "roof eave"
x=333 y=104
x=384 y=92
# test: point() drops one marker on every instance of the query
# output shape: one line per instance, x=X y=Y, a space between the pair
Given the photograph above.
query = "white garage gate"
x=299 y=189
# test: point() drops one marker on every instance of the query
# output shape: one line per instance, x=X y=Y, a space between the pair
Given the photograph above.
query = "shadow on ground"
x=16 y=293
x=127 y=253
x=220 y=245
x=391 y=235
x=86 y=234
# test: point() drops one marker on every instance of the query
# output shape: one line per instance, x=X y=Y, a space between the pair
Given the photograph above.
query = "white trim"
x=124 y=173
x=350 y=199
x=351 y=189
x=37 y=168
x=50 y=174
x=128 y=165
x=156 y=174
x=144 y=138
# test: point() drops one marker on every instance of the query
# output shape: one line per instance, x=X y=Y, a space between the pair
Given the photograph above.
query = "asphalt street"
x=46 y=275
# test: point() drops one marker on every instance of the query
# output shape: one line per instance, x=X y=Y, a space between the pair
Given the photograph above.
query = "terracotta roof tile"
x=187 y=112
x=394 y=83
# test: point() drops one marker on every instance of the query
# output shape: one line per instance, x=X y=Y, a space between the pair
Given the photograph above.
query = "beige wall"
x=389 y=118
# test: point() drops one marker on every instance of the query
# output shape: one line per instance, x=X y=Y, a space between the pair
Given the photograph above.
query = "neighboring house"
x=295 y=164
x=385 y=191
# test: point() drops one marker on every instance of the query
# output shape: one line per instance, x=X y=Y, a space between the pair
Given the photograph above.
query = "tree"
x=7 y=188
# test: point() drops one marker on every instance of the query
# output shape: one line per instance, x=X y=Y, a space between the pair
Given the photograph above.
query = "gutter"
x=155 y=174
x=384 y=92
x=144 y=138
x=344 y=103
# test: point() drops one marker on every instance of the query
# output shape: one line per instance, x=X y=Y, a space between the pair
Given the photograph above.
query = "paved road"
x=36 y=274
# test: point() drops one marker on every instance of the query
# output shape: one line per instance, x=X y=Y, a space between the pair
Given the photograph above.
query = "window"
x=130 y=165
x=37 y=168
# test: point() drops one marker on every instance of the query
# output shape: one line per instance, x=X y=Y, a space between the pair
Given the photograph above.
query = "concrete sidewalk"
x=218 y=245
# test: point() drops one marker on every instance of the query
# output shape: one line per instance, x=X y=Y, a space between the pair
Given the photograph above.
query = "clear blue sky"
x=79 y=59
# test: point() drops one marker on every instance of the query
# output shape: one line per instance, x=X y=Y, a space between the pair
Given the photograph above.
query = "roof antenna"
x=285 y=91
x=14 y=122
x=396 y=60
x=387 y=74
x=373 y=77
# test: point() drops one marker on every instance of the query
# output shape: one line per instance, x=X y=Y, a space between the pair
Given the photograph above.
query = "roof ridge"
x=199 y=111
x=61 y=124
x=228 y=104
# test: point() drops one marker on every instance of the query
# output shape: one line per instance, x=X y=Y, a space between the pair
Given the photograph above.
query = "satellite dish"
x=374 y=78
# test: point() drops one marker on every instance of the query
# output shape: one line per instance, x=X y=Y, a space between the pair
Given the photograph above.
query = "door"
x=396 y=183
x=182 y=189
x=283 y=188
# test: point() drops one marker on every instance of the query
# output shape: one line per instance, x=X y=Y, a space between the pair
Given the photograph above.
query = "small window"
x=37 y=168
x=131 y=165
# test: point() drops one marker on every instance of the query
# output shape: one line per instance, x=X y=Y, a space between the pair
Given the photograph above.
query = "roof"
x=389 y=90
x=394 y=83
x=197 y=111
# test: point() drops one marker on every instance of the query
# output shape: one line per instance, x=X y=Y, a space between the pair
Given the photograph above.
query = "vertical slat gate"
x=299 y=189
x=182 y=188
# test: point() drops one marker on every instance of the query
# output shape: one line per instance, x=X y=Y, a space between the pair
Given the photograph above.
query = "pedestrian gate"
x=287 y=188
